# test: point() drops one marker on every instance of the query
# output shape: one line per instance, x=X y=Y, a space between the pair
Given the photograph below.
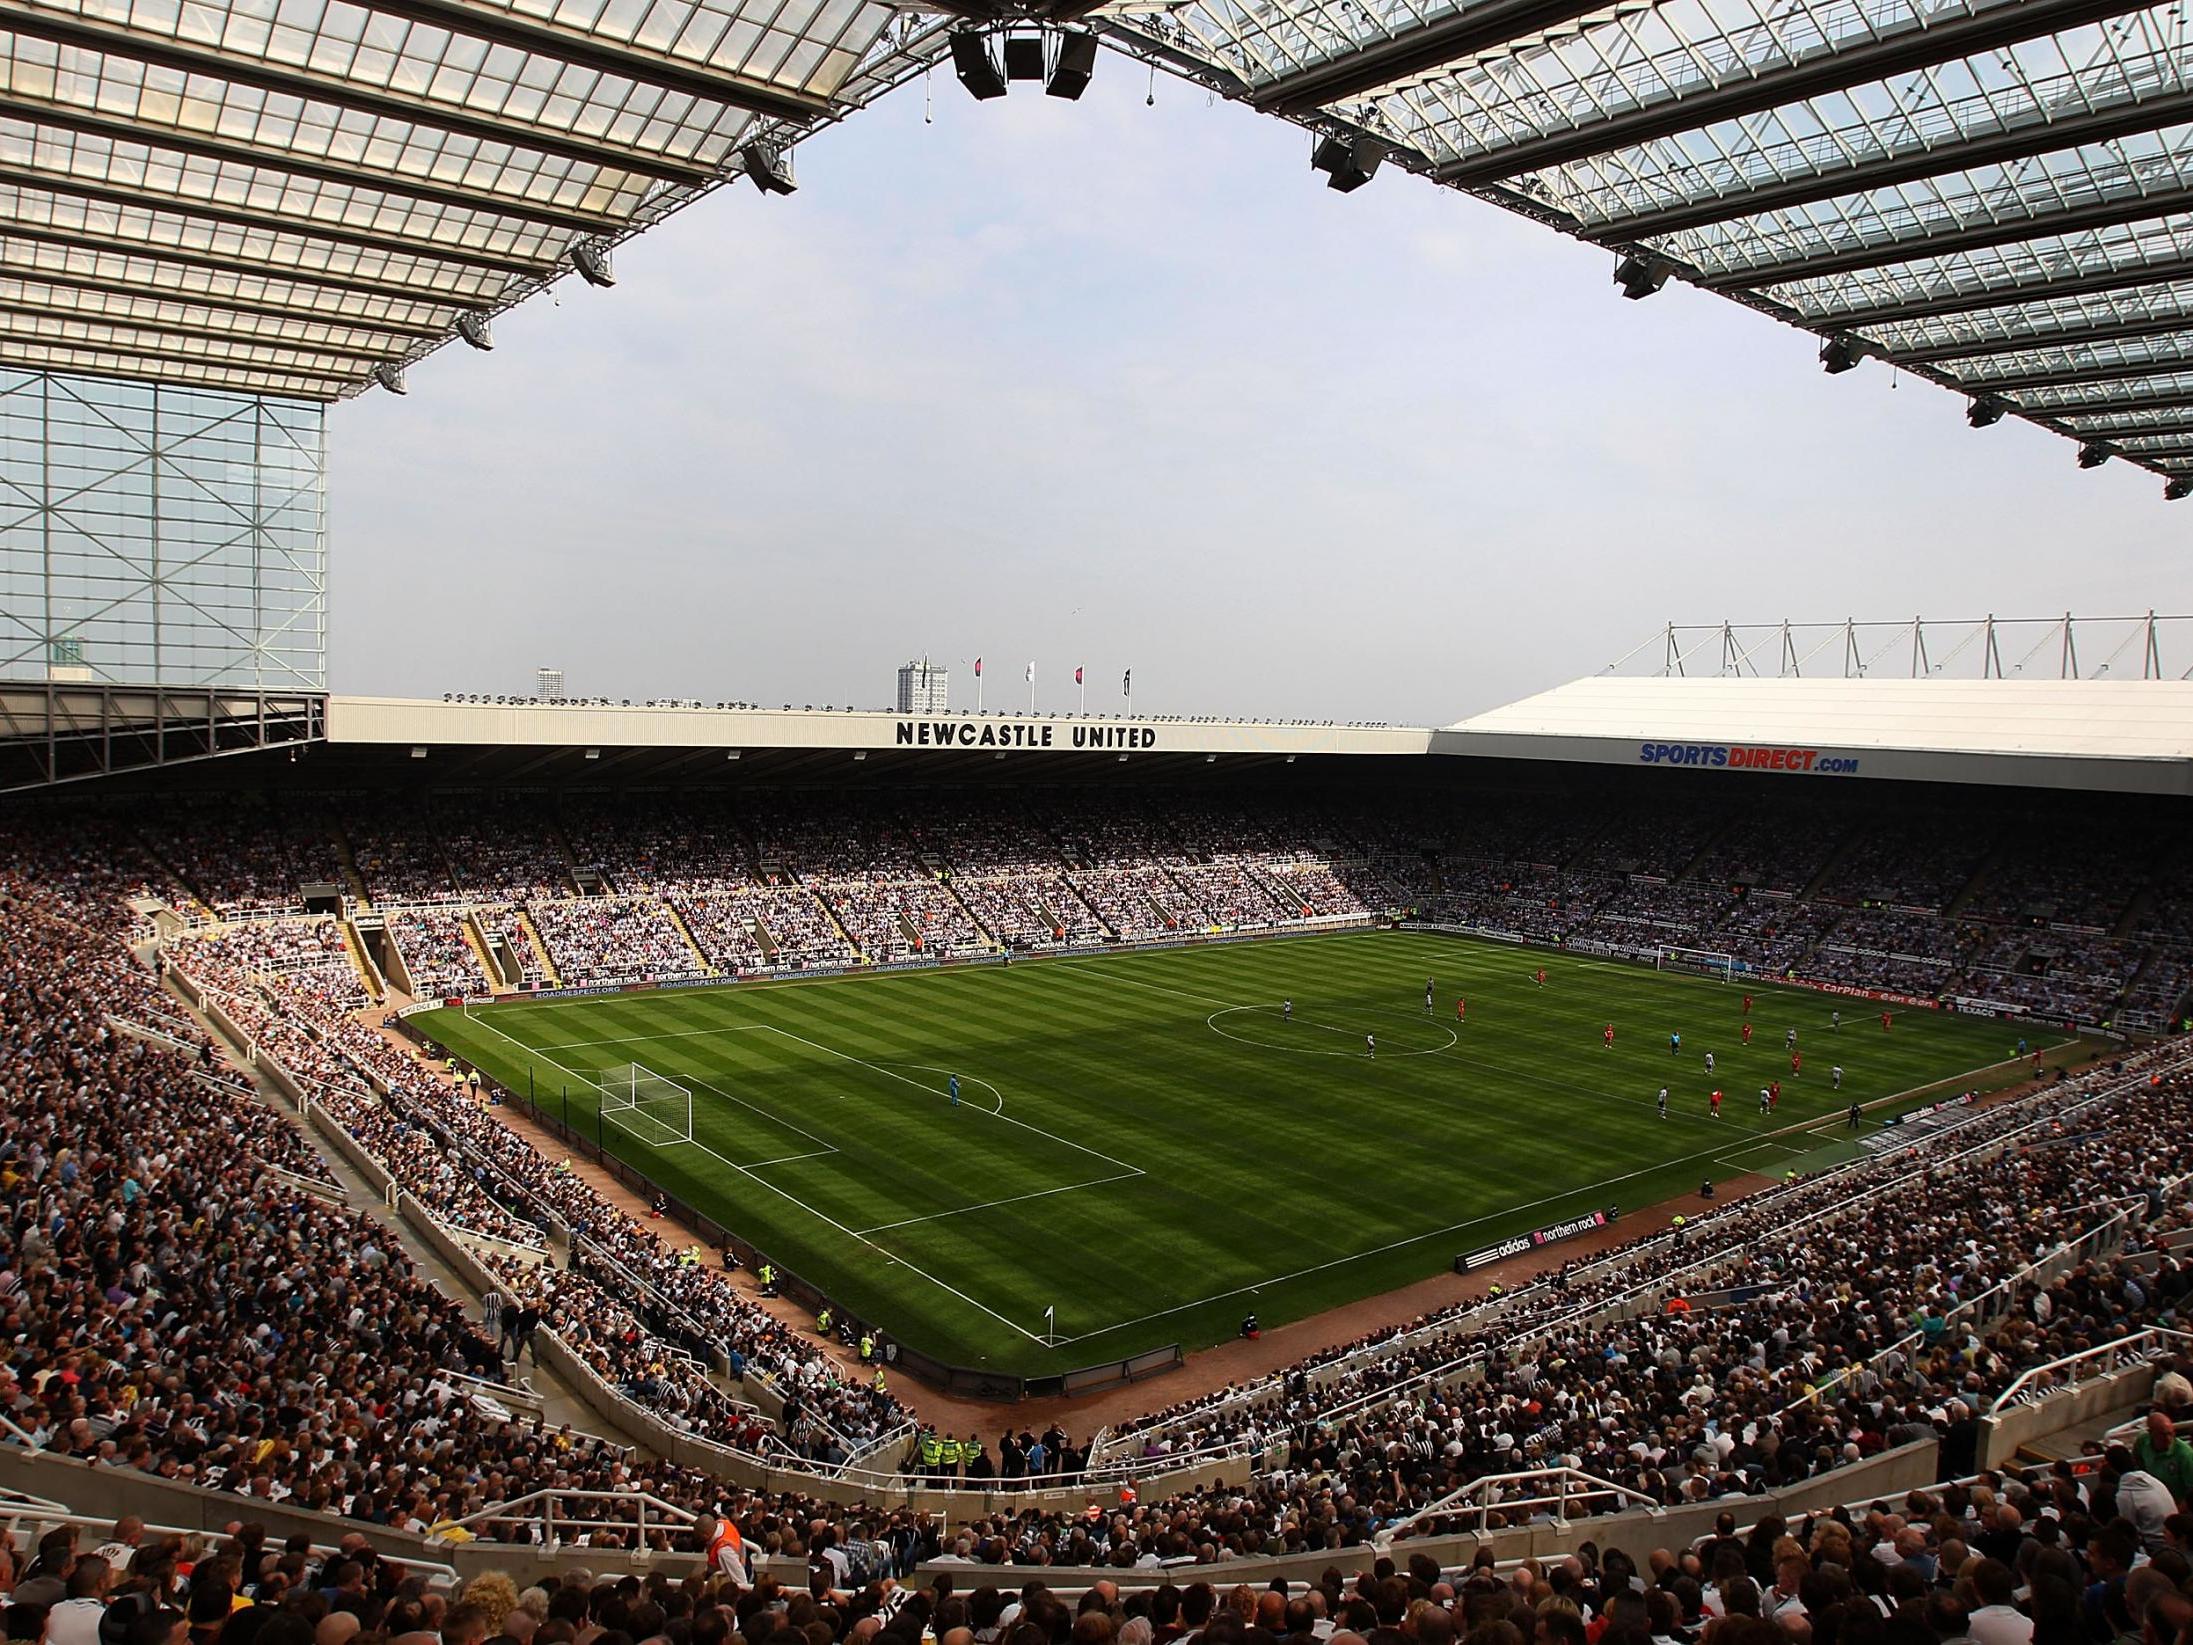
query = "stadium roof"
x=298 y=197
x=1997 y=194
x=2133 y=736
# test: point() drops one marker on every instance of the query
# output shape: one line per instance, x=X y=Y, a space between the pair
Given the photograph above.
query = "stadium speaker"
x=1642 y=276
x=2178 y=489
x=1841 y=354
x=770 y=168
x=1076 y=62
x=1348 y=163
x=2093 y=454
x=592 y=262
x=977 y=70
x=1986 y=411
x=1024 y=57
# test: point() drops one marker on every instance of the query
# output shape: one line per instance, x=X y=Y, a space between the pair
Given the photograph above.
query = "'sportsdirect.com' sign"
x=1748 y=757
x=1518 y=1244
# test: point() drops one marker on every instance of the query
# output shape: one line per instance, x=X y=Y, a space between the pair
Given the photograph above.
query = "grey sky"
x=1116 y=385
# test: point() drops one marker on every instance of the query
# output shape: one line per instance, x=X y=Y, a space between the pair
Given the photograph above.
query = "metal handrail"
x=2111 y=1350
x=1474 y=1496
x=20 y=1509
x=543 y=1508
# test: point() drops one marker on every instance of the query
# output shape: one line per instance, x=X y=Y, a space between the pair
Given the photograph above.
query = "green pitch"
x=1143 y=1143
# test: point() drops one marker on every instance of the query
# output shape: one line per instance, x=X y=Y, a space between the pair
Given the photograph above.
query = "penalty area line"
x=820 y=1216
x=1009 y=1199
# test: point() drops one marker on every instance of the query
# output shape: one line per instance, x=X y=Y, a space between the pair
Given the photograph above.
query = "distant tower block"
x=548 y=685
x=924 y=689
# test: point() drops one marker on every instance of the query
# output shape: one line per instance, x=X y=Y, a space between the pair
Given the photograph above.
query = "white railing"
x=550 y=1512
x=21 y=1513
x=2060 y=1376
x=1533 y=1490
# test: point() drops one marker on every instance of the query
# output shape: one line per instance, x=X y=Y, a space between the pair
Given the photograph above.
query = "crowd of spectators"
x=2060 y=918
x=614 y=939
x=438 y=956
x=179 y=1305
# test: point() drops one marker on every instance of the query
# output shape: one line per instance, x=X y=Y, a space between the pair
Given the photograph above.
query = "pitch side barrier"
x=1637 y=954
x=1317 y=925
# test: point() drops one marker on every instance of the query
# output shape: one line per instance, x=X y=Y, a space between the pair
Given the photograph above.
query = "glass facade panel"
x=160 y=535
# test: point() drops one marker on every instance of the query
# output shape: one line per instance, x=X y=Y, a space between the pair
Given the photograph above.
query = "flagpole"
x=1031 y=689
x=1081 y=695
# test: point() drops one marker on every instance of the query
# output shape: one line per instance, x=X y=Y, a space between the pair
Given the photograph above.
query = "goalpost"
x=658 y=1111
x=1703 y=962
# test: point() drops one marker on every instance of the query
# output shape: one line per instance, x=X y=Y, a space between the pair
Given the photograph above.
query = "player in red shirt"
x=1747 y=1005
x=1774 y=1095
x=1541 y=976
x=1884 y=1022
x=1796 y=1063
x=1715 y=1101
x=1608 y=1036
x=1747 y=1033
x=1461 y=1010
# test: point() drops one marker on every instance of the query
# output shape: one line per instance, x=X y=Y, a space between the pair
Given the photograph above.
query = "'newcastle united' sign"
x=983 y=733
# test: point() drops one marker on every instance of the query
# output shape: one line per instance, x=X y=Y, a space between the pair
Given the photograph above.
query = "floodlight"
x=1024 y=57
x=1642 y=276
x=473 y=329
x=592 y=262
x=2179 y=488
x=976 y=68
x=770 y=168
x=1841 y=354
x=1077 y=52
x=1986 y=411
x=1348 y=163
x=390 y=378
x=2093 y=454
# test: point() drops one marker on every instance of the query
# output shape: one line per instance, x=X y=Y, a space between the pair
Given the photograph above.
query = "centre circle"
x=1333 y=1031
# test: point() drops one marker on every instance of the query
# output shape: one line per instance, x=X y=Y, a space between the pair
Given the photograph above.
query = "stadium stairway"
x=346 y=863
x=831 y=914
x=2070 y=1442
x=1971 y=888
x=1835 y=860
x=677 y=922
x=1204 y=916
x=549 y=973
x=569 y=858
x=952 y=891
x=376 y=985
x=484 y=952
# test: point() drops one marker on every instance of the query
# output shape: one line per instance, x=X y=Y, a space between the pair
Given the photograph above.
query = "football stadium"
x=1698 y=1155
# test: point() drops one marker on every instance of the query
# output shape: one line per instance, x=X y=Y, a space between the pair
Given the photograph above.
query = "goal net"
x=1701 y=962
x=658 y=1111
